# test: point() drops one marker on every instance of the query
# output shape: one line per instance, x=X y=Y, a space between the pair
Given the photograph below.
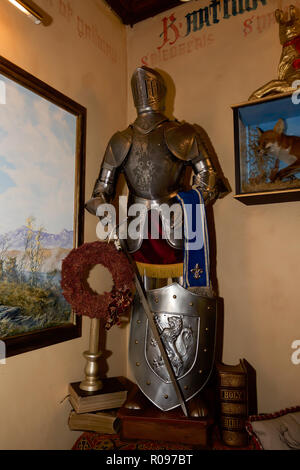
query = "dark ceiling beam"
x=122 y=8
x=133 y=11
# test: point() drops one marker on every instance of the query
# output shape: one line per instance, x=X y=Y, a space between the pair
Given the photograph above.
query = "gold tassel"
x=162 y=271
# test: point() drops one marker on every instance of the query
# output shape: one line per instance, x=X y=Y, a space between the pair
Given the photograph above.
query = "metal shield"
x=187 y=326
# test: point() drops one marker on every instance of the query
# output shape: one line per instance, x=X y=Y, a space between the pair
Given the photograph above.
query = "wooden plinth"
x=171 y=426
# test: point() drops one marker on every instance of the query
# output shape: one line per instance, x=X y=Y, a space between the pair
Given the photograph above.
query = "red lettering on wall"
x=169 y=24
x=190 y=46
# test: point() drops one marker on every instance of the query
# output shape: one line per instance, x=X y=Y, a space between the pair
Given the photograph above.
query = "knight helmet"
x=148 y=90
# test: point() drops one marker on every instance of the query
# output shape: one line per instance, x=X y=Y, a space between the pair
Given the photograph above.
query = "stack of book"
x=97 y=411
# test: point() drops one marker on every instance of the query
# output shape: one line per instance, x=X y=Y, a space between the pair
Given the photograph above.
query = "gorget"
x=146 y=122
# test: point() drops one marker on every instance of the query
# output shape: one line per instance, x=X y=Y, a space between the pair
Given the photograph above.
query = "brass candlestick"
x=92 y=382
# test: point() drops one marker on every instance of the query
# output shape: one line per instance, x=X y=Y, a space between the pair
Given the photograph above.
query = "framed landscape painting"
x=42 y=163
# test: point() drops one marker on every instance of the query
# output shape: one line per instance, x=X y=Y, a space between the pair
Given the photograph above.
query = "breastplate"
x=151 y=171
x=154 y=176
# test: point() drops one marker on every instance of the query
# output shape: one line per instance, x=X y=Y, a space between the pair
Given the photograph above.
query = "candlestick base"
x=92 y=382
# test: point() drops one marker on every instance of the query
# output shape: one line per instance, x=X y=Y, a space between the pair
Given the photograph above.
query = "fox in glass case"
x=285 y=148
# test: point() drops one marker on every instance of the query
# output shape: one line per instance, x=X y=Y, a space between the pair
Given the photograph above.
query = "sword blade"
x=143 y=297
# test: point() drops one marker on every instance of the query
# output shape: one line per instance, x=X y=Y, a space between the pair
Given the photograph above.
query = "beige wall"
x=257 y=246
x=33 y=384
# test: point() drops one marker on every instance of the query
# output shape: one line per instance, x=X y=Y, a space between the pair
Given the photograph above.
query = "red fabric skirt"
x=157 y=251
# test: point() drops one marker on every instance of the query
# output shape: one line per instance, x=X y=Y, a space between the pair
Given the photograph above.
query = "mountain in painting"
x=15 y=240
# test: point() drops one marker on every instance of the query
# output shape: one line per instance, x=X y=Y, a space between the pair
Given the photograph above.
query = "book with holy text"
x=233 y=396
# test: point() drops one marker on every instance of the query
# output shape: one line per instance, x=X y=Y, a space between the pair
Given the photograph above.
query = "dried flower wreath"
x=77 y=291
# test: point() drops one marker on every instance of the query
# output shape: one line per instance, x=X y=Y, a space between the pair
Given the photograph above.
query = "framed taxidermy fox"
x=267 y=150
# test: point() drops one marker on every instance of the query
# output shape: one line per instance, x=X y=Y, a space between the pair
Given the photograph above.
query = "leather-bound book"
x=112 y=395
x=234 y=410
x=105 y=422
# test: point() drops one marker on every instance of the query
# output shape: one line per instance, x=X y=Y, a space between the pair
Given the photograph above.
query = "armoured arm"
x=192 y=144
x=116 y=152
x=205 y=179
x=104 y=189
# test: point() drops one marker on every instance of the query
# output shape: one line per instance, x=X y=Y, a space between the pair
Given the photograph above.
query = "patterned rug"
x=112 y=442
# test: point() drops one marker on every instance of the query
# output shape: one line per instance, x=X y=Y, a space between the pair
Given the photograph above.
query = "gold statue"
x=289 y=66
